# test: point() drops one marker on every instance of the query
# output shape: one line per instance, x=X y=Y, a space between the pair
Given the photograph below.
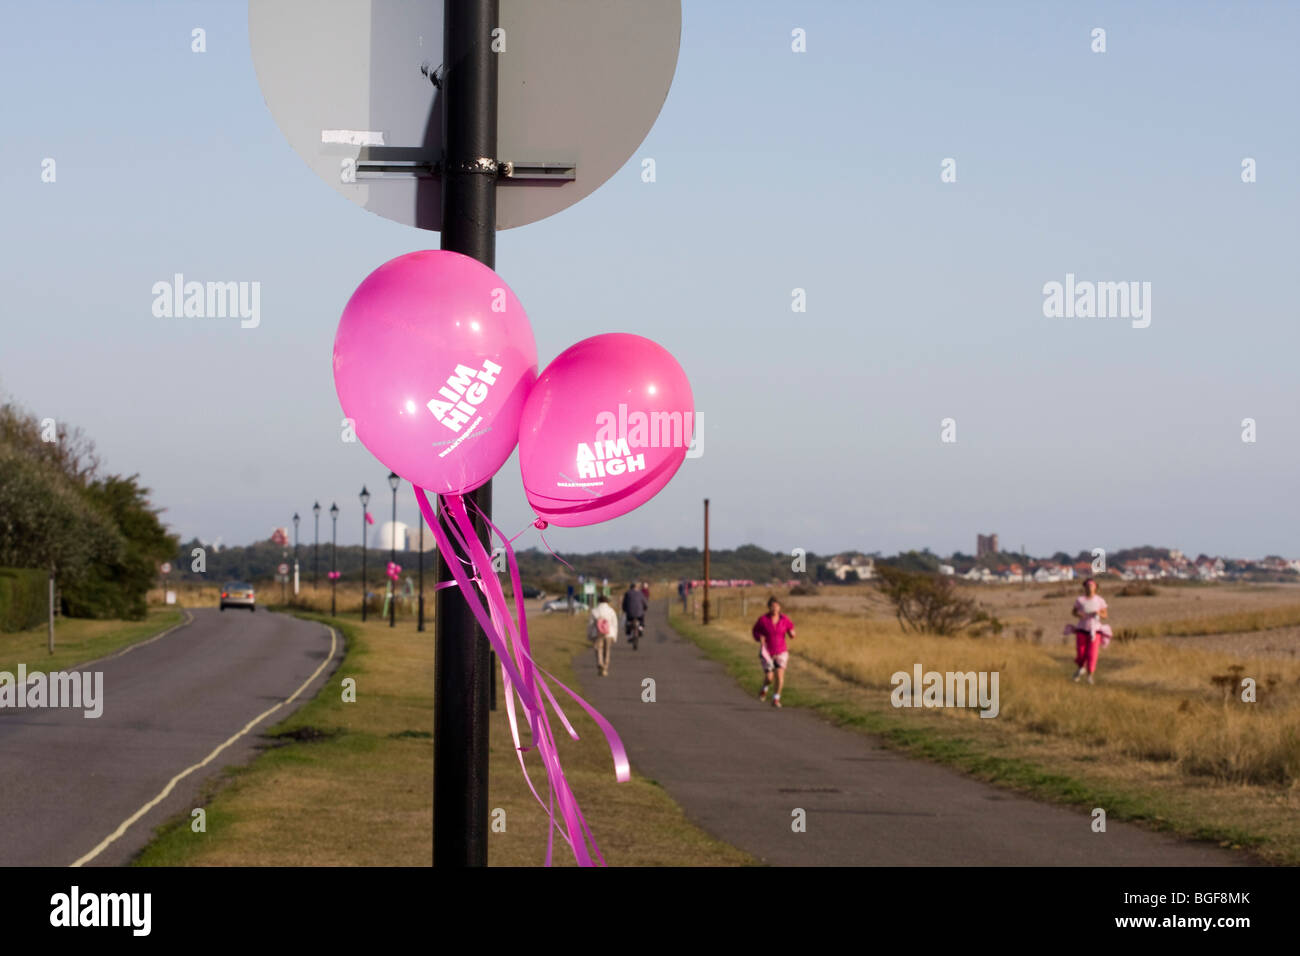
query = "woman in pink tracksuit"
x=1090 y=634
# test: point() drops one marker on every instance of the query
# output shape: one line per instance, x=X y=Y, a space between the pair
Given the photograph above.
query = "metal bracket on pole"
x=380 y=163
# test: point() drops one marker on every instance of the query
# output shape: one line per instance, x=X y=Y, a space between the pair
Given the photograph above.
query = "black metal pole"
x=392 y=558
x=363 y=563
x=334 y=565
x=315 y=550
x=461 y=662
x=419 y=614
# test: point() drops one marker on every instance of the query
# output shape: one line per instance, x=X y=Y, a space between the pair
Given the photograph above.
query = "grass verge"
x=79 y=640
x=1156 y=794
x=352 y=783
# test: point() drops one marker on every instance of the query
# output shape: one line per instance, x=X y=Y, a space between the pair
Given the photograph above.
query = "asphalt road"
x=740 y=769
x=68 y=783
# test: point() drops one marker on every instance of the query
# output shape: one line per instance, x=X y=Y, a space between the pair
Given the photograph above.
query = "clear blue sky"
x=776 y=170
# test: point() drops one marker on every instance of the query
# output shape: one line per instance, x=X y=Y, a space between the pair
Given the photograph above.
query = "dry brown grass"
x=1158 y=721
x=1155 y=701
x=316 y=600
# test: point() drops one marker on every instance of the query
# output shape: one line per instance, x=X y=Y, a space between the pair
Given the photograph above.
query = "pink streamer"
x=519 y=672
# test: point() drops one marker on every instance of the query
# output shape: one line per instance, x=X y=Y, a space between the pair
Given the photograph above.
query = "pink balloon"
x=433 y=360
x=604 y=429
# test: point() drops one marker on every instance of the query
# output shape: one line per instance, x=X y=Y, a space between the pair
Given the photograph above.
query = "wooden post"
x=706 y=561
x=51 y=611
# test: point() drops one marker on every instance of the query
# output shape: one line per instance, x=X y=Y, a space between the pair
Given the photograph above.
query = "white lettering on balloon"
x=466 y=389
x=607 y=458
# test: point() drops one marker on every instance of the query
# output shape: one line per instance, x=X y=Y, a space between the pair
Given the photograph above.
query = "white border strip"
x=189 y=619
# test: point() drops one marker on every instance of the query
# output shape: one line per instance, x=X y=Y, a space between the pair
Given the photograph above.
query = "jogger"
x=771 y=631
x=1090 y=635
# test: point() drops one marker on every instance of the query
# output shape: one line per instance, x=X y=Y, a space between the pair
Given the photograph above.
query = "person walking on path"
x=634 y=606
x=602 y=631
x=1090 y=635
x=681 y=593
x=771 y=631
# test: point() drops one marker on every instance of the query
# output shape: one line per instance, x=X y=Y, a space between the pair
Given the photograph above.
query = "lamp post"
x=334 y=566
x=365 y=500
x=296 y=519
x=315 y=551
x=393 y=482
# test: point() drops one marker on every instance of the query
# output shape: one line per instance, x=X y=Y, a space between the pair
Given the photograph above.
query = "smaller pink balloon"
x=604 y=429
x=433 y=359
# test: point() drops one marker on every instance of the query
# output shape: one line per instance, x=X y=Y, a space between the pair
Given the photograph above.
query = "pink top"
x=1091 y=621
x=772 y=633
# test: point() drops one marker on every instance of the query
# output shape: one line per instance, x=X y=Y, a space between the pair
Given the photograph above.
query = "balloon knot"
x=540 y=524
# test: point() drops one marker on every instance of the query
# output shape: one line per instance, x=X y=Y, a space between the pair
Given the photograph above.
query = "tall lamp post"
x=315 y=550
x=334 y=565
x=393 y=482
x=296 y=519
x=365 y=500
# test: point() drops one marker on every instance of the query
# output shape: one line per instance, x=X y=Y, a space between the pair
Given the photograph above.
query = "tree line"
x=60 y=512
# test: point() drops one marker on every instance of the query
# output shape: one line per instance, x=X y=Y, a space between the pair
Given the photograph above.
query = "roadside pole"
x=51 y=610
x=706 y=560
x=461 y=661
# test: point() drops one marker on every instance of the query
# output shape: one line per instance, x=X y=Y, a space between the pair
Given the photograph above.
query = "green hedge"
x=24 y=598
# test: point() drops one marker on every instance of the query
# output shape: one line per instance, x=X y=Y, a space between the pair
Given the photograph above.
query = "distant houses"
x=1166 y=565
x=845 y=567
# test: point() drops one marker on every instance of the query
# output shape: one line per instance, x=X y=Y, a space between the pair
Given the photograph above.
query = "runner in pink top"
x=1090 y=634
x=771 y=631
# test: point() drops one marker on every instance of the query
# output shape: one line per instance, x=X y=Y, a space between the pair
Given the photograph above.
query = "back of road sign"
x=349 y=82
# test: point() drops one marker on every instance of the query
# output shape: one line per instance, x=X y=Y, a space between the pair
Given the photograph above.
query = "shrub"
x=24 y=598
x=1138 y=589
x=931 y=604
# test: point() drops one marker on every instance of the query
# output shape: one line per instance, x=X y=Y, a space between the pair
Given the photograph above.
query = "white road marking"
x=189 y=619
x=171 y=784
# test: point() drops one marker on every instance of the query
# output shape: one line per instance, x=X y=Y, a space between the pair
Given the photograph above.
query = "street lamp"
x=334 y=565
x=365 y=500
x=296 y=519
x=315 y=551
x=393 y=482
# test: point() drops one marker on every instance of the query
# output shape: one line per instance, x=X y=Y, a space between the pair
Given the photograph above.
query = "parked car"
x=238 y=594
x=562 y=604
x=532 y=593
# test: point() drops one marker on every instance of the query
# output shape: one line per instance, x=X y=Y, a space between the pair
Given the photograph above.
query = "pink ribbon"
x=521 y=675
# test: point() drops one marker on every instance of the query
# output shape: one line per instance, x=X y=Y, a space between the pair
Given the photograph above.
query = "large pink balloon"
x=604 y=429
x=433 y=360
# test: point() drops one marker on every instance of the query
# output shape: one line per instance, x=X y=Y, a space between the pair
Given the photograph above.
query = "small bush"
x=24 y=598
x=931 y=604
x=1138 y=589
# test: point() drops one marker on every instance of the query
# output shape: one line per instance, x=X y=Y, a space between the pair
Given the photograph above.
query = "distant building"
x=986 y=544
x=392 y=536
x=860 y=566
